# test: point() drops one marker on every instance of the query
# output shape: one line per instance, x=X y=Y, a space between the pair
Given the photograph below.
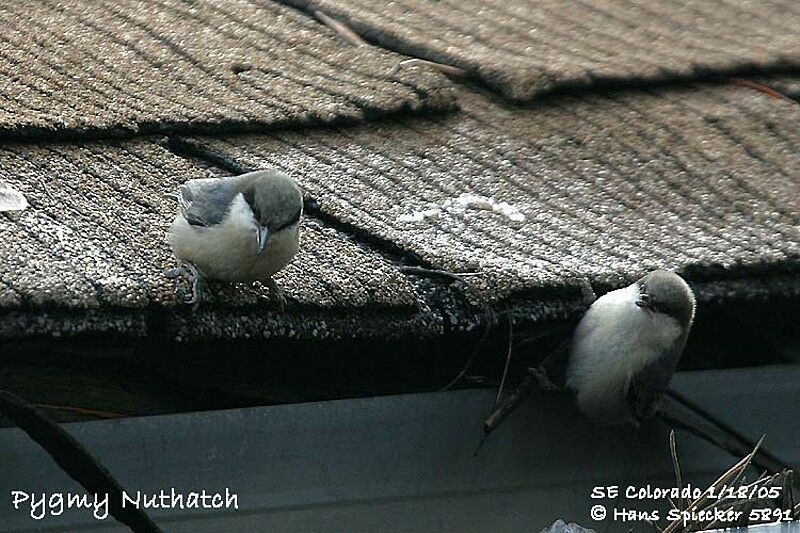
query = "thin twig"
x=342 y=29
x=672 y=503
x=723 y=504
x=536 y=377
x=508 y=359
x=449 y=70
x=509 y=404
x=47 y=189
x=535 y=337
x=742 y=503
x=673 y=449
x=74 y=459
x=675 y=409
x=764 y=89
x=725 y=479
x=490 y=319
x=789 y=486
x=436 y=273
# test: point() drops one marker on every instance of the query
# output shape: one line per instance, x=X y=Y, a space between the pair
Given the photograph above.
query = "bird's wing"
x=648 y=386
x=205 y=202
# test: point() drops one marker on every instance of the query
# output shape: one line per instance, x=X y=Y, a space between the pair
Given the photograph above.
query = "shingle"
x=703 y=179
x=91 y=250
x=525 y=48
x=108 y=68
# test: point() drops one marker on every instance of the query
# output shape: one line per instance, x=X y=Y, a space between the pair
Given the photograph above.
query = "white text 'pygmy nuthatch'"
x=627 y=346
x=238 y=228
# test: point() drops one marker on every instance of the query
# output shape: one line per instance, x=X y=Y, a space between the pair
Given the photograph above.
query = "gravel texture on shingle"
x=524 y=48
x=99 y=69
x=700 y=179
x=90 y=252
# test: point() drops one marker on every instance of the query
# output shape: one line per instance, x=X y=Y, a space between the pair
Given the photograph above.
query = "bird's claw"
x=188 y=270
x=276 y=295
x=174 y=273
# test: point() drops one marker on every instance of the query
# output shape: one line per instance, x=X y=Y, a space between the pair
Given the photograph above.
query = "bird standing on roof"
x=238 y=228
x=626 y=348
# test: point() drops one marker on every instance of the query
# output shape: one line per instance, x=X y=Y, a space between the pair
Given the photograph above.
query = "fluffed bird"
x=238 y=228
x=627 y=346
x=618 y=363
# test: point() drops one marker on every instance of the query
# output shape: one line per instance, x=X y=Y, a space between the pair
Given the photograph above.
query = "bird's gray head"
x=666 y=292
x=276 y=202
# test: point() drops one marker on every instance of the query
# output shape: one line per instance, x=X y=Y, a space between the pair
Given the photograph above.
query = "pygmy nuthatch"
x=238 y=228
x=627 y=346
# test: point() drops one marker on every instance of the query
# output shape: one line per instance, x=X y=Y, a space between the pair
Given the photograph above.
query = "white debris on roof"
x=420 y=216
x=458 y=207
x=11 y=199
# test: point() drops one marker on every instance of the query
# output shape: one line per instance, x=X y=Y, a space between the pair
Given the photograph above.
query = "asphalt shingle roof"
x=534 y=199
x=524 y=49
x=699 y=179
x=117 y=68
x=94 y=237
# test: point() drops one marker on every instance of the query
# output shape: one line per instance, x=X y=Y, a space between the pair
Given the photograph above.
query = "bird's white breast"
x=229 y=250
x=613 y=341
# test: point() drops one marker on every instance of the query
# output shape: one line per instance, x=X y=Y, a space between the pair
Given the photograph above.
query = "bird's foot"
x=174 y=273
x=276 y=294
x=189 y=271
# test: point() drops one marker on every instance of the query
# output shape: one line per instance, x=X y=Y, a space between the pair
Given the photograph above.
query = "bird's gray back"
x=206 y=201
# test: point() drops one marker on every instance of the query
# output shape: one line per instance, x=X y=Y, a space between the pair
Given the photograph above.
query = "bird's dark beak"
x=643 y=301
x=262 y=234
